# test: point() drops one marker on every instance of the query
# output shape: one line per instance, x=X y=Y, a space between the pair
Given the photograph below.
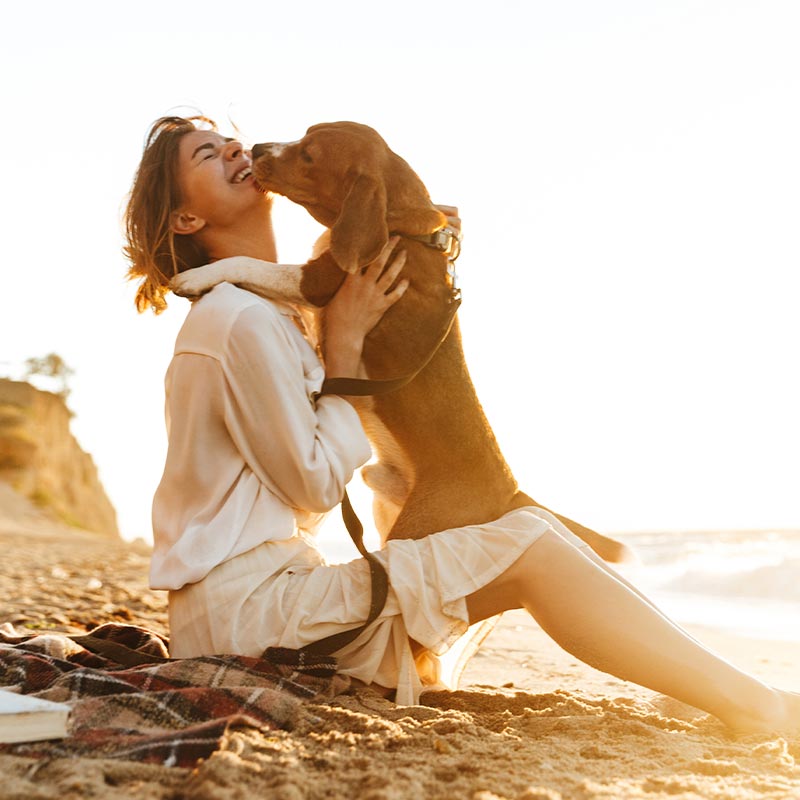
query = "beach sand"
x=529 y=723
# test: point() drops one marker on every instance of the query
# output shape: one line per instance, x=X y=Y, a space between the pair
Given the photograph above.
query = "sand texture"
x=530 y=723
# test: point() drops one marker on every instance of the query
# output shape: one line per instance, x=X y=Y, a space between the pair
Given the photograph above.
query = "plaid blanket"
x=162 y=711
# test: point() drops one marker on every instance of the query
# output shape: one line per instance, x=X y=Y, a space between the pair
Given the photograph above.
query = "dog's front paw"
x=196 y=282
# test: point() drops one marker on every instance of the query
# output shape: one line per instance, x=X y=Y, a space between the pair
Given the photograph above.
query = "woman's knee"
x=517 y=585
x=548 y=554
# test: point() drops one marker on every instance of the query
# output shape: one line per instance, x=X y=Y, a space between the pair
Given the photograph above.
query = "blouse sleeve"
x=304 y=452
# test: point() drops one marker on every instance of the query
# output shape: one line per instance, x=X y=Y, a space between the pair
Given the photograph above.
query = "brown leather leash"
x=363 y=387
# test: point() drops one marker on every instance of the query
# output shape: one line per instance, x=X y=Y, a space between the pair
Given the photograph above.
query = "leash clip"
x=455 y=289
x=448 y=240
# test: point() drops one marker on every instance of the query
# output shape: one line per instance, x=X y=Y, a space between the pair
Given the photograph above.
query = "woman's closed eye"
x=204 y=152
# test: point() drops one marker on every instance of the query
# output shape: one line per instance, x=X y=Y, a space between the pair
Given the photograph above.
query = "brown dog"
x=439 y=465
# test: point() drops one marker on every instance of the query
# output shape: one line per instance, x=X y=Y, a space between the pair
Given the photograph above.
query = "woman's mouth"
x=242 y=175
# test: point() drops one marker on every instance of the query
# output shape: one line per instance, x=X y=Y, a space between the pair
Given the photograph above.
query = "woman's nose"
x=233 y=150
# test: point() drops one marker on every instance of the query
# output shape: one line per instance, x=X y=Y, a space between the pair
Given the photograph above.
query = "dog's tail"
x=607 y=548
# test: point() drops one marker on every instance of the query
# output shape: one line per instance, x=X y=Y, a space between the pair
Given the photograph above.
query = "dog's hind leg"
x=390 y=491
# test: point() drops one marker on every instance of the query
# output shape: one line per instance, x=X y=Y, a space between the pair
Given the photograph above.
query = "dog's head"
x=348 y=179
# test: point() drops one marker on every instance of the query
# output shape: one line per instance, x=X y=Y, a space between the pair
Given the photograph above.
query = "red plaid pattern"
x=164 y=711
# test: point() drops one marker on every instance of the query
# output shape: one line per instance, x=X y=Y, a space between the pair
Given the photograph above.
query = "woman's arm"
x=305 y=452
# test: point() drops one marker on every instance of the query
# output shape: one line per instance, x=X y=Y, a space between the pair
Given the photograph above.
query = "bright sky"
x=628 y=174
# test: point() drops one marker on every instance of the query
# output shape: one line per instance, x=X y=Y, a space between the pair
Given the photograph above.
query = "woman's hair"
x=155 y=252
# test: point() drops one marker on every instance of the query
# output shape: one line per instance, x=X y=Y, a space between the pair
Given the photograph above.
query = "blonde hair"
x=155 y=252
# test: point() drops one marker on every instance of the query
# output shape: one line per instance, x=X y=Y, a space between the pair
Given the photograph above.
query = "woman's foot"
x=782 y=716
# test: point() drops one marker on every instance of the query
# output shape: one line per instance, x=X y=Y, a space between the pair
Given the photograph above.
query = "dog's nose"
x=259 y=149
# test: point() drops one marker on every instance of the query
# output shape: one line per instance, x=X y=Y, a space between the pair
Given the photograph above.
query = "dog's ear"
x=360 y=232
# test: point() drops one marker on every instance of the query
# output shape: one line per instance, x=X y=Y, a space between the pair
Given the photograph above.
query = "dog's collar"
x=445 y=240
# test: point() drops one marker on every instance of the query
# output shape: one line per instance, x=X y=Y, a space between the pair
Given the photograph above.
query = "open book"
x=29 y=719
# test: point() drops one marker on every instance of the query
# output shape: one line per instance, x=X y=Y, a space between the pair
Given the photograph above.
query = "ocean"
x=739 y=582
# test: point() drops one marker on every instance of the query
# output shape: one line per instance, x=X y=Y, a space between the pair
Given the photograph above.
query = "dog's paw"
x=196 y=282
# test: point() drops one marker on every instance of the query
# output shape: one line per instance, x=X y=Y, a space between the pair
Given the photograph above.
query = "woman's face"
x=215 y=178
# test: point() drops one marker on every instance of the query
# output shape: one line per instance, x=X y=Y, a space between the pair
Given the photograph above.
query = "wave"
x=746 y=582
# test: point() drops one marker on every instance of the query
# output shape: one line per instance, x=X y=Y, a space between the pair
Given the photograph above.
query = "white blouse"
x=251 y=456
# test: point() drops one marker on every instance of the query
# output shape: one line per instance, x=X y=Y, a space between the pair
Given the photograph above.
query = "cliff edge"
x=41 y=461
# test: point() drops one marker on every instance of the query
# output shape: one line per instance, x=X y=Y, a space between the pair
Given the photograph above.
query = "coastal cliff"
x=41 y=461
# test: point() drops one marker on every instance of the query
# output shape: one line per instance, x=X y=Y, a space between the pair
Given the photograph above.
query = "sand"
x=530 y=722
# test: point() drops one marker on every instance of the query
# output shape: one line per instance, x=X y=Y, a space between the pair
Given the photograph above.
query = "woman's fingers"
x=453 y=219
x=392 y=272
x=380 y=262
x=386 y=268
x=395 y=294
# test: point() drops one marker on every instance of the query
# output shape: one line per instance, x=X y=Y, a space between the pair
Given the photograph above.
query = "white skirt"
x=237 y=608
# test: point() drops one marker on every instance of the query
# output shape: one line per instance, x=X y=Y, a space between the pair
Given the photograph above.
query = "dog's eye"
x=304 y=154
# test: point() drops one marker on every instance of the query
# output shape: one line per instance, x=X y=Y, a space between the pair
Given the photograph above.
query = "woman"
x=255 y=460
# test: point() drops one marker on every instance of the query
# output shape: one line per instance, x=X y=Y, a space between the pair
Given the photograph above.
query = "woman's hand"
x=357 y=308
x=451 y=212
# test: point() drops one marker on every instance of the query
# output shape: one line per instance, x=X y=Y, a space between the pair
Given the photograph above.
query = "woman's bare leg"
x=594 y=615
x=589 y=553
